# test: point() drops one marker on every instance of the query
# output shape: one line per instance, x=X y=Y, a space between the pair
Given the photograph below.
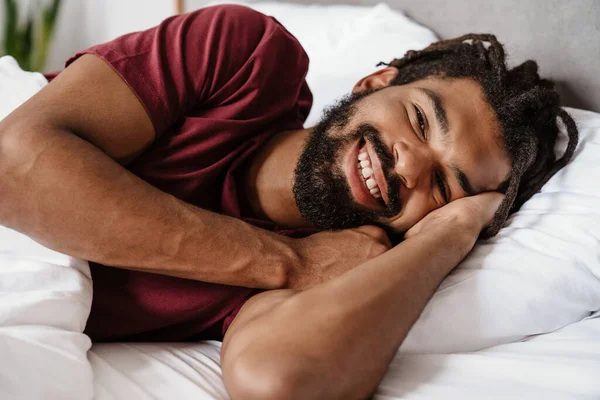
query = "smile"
x=364 y=178
x=366 y=170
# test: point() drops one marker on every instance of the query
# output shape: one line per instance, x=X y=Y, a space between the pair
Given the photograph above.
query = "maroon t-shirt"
x=217 y=84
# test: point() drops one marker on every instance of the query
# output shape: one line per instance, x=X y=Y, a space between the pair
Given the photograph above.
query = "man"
x=176 y=162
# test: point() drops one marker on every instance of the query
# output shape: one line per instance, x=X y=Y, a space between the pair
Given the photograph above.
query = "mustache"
x=373 y=136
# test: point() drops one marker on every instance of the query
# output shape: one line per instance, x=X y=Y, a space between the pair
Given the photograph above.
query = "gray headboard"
x=563 y=36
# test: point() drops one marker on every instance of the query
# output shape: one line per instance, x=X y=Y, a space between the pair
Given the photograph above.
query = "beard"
x=321 y=189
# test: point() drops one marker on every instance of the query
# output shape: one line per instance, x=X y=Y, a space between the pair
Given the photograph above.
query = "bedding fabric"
x=45 y=297
x=19 y=84
x=559 y=366
x=540 y=274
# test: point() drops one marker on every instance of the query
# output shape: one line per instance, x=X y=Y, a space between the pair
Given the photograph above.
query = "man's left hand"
x=467 y=216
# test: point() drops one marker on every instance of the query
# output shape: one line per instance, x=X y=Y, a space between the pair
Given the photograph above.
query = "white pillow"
x=45 y=298
x=21 y=85
x=542 y=271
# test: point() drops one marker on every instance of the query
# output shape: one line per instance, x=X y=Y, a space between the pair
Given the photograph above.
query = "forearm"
x=70 y=196
x=341 y=336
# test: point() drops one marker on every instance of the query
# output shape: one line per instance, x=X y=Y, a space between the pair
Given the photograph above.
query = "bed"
x=562 y=365
x=519 y=318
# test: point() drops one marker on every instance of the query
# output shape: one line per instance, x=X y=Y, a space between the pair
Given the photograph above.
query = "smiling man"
x=406 y=150
x=175 y=161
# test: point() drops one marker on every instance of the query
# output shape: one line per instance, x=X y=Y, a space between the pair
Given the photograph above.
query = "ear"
x=376 y=80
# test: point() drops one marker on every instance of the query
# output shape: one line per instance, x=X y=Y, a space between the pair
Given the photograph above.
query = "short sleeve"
x=192 y=60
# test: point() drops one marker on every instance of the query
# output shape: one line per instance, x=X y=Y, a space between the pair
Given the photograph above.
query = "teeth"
x=364 y=165
x=367 y=172
x=371 y=183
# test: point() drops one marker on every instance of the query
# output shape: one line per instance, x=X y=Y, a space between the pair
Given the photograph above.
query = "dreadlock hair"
x=527 y=108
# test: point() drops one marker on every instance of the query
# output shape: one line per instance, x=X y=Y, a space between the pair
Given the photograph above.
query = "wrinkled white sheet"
x=45 y=299
x=559 y=365
x=16 y=85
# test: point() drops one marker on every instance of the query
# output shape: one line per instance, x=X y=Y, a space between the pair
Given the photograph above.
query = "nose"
x=410 y=163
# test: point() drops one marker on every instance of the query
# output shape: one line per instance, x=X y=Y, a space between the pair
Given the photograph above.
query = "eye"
x=420 y=121
x=441 y=184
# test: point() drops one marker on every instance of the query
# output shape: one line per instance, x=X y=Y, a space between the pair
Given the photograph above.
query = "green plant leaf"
x=27 y=44
x=10 y=30
x=52 y=13
x=45 y=34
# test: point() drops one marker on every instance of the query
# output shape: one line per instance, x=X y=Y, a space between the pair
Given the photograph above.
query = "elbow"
x=253 y=378
x=10 y=147
x=18 y=152
x=6 y=140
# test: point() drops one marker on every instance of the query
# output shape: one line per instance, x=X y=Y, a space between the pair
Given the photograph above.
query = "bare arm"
x=336 y=340
x=60 y=184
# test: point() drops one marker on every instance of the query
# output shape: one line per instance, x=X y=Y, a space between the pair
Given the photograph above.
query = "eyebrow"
x=464 y=181
x=438 y=108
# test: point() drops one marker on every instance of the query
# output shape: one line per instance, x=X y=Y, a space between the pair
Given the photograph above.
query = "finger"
x=489 y=203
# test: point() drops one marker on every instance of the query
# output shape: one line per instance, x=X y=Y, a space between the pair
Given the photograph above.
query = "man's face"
x=389 y=155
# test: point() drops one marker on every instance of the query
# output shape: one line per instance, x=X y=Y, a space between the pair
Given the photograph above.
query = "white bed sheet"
x=561 y=365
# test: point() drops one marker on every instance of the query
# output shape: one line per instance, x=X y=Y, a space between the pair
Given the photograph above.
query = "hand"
x=325 y=255
x=467 y=216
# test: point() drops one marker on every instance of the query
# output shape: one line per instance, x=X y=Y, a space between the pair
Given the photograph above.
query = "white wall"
x=83 y=23
x=70 y=33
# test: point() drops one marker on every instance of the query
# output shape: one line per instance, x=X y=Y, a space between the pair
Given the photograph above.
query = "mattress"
x=558 y=365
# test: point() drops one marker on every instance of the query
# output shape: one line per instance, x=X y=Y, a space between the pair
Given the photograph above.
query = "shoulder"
x=230 y=20
x=233 y=15
x=241 y=28
x=249 y=50
x=235 y=11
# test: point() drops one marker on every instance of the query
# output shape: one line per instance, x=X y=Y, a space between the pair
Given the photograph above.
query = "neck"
x=270 y=178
